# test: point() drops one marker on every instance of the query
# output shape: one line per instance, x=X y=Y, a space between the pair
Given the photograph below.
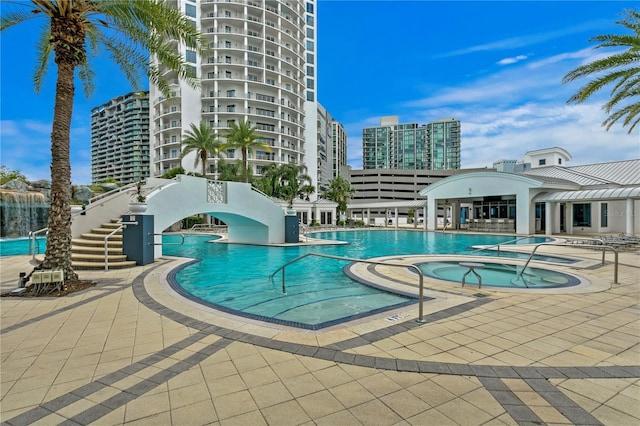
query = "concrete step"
x=84 y=257
x=96 y=236
x=95 y=242
x=96 y=249
x=81 y=265
x=85 y=265
x=105 y=231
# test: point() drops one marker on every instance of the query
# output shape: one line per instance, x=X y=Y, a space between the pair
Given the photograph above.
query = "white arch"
x=252 y=217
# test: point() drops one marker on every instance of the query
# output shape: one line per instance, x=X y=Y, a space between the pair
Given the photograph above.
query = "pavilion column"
x=568 y=218
x=431 y=217
x=424 y=217
x=395 y=211
x=629 y=217
x=549 y=217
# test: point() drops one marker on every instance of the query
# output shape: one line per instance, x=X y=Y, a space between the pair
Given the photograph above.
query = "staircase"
x=87 y=252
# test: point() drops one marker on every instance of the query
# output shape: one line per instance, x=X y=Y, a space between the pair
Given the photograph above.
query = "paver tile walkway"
x=130 y=351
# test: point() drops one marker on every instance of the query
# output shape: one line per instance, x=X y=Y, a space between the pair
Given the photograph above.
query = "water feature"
x=22 y=212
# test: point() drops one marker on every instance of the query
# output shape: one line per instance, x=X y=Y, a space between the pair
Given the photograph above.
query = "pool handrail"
x=351 y=259
x=162 y=243
x=33 y=241
x=506 y=242
x=603 y=247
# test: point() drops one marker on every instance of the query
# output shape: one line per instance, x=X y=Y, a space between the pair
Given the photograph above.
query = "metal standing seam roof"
x=591 y=194
x=377 y=204
x=618 y=172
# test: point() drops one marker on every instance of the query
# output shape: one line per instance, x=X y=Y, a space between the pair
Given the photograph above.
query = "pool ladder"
x=373 y=262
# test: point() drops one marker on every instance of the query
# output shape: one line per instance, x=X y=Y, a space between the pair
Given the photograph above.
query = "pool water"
x=20 y=246
x=499 y=275
x=235 y=278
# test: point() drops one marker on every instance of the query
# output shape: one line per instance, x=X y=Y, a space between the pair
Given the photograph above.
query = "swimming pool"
x=234 y=278
x=20 y=246
x=498 y=275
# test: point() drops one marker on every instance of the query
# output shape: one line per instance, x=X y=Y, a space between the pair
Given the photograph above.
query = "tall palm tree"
x=74 y=31
x=203 y=141
x=622 y=70
x=339 y=191
x=243 y=136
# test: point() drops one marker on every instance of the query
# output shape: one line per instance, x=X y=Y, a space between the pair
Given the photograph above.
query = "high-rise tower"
x=434 y=146
x=260 y=68
x=120 y=139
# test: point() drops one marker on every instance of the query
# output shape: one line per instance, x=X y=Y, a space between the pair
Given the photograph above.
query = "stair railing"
x=106 y=242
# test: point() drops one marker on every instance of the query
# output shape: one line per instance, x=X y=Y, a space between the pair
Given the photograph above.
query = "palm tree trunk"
x=244 y=165
x=58 y=252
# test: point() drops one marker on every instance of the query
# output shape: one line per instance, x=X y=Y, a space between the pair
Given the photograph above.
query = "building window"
x=310 y=58
x=231 y=108
x=542 y=162
x=559 y=160
x=310 y=46
x=309 y=20
x=191 y=56
x=582 y=215
x=309 y=7
x=309 y=32
x=310 y=71
x=191 y=71
x=231 y=93
x=174 y=139
x=310 y=96
x=604 y=215
x=190 y=10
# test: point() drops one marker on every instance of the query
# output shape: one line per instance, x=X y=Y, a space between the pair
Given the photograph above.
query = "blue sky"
x=495 y=66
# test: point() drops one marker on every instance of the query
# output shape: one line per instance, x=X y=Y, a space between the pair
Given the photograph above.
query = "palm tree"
x=339 y=191
x=229 y=171
x=244 y=137
x=294 y=183
x=202 y=140
x=623 y=71
x=75 y=30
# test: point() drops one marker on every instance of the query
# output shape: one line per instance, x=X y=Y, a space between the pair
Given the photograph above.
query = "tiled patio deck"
x=129 y=351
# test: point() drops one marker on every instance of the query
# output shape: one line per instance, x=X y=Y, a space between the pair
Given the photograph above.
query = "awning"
x=591 y=194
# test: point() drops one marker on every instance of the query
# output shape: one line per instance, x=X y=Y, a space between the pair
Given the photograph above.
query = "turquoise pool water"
x=235 y=278
x=499 y=275
x=20 y=246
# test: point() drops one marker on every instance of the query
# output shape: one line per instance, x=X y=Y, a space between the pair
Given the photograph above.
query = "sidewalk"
x=128 y=351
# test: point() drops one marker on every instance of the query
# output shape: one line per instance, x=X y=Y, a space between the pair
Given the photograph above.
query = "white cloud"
x=519 y=109
x=513 y=60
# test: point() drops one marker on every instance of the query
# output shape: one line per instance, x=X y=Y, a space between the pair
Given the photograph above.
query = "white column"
x=396 y=216
x=629 y=217
x=549 y=217
x=568 y=218
x=431 y=215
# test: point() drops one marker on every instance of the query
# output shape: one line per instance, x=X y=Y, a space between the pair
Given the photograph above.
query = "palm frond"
x=44 y=49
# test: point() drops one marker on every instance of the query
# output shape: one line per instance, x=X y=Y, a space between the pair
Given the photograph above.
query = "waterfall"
x=22 y=212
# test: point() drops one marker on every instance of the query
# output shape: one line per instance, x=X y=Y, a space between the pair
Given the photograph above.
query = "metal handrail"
x=106 y=242
x=167 y=244
x=33 y=241
x=373 y=262
x=506 y=242
x=604 y=248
